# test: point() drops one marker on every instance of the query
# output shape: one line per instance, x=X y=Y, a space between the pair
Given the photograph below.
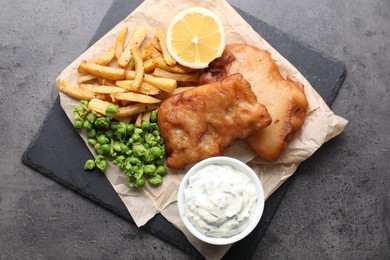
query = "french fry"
x=159 y=62
x=106 y=82
x=106 y=58
x=102 y=89
x=146 y=116
x=145 y=88
x=176 y=76
x=76 y=92
x=126 y=120
x=99 y=106
x=124 y=103
x=164 y=84
x=136 y=39
x=86 y=78
x=139 y=66
x=155 y=44
x=120 y=42
x=134 y=110
x=181 y=89
x=149 y=66
x=149 y=51
x=134 y=97
x=163 y=44
x=102 y=71
x=138 y=121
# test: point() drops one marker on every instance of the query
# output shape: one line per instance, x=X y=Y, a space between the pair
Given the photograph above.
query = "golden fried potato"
x=134 y=97
x=191 y=77
x=139 y=67
x=136 y=39
x=160 y=36
x=106 y=58
x=159 y=62
x=120 y=42
x=135 y=110
x=76 y=92
x=102 y=71
x=102 y=89
x=145 y=87
x=164 y=84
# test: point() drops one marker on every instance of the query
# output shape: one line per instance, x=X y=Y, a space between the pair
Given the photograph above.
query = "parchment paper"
x=321 y=123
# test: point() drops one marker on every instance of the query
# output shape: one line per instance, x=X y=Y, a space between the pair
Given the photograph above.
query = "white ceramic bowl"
x=221 y=160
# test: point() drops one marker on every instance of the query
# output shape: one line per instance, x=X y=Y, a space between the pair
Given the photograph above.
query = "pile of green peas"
x=138 y=151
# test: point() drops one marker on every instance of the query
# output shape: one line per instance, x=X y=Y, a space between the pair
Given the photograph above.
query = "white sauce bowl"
x=222 y=160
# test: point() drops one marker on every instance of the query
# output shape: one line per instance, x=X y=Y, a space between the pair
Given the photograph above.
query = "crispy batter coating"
x=204 y=121
x=284 y=99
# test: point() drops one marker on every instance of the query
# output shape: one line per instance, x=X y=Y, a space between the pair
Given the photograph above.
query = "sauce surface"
x=220 y=200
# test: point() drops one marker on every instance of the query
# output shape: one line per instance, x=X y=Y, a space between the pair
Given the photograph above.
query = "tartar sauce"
x=220 y=200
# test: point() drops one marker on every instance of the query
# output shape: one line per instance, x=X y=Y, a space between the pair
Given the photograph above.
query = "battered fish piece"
x=204 y=121
x=284 y=99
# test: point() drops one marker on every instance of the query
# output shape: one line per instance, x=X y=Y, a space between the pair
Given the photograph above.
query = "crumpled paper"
x=321 y=123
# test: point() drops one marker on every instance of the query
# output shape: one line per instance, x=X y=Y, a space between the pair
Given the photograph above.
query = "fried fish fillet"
x=284 y=99
x=204 y=121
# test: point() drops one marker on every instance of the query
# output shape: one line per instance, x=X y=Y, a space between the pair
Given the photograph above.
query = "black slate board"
x=59 y=152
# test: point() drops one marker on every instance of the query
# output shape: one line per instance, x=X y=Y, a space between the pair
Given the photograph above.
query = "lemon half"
x=195 y=37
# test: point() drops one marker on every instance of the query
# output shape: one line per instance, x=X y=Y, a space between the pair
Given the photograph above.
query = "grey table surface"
x=340 y=210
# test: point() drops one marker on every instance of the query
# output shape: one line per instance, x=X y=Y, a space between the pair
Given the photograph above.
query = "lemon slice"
x=195 y=37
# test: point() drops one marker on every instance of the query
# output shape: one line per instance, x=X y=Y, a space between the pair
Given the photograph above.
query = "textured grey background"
x=338 y=211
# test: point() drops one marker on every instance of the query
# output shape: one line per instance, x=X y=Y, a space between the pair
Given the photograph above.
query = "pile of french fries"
x=136 y=77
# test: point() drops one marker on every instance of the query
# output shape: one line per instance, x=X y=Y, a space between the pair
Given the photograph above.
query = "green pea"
x=138 y=131
x=78 y=124
x=102 y=122
x=109 y=133
x=155 y=127
x=135 y=168
x=145 y=126
x=127 y=166
x=153 y=117
x=149 y=168
x=106 y=148
x=130 y=128
x=135 y=137
x=84 y=103
x=161 y=170
x=110 y=110
x=140 y=182
x=117 y=146
x=91 y=133
x=92 y=141
x=134 y=160
x=102 y=139
x=155 y=180
x=87 y=125
x=89 y=164
x=97 y=146
x=113 y=125
x=119 y=159
x=159 y=162
x=79 y=111
x=121 y=128
x=91 y=117
x=156 y=151
x=101 y=163
x=131 y=183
